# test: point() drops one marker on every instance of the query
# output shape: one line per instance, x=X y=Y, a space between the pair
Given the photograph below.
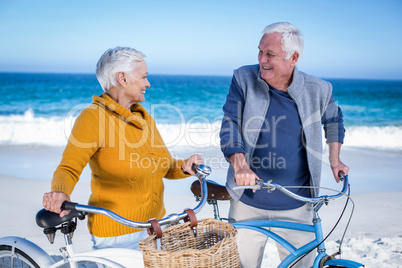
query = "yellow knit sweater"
x=128 y=160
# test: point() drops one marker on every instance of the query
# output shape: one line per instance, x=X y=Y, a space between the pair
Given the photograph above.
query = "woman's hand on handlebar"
x=188 y=163
x=52 y=201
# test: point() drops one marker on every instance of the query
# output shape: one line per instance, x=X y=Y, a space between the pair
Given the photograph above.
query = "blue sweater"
x=248 y=104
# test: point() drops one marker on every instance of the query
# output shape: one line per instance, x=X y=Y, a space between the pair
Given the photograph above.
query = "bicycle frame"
x=295 y=253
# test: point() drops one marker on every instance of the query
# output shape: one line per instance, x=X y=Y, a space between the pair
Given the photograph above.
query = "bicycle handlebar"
x=272 y=186
x=201 y=171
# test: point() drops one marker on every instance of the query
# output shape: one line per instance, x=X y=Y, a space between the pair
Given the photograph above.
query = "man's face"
x=274 y=69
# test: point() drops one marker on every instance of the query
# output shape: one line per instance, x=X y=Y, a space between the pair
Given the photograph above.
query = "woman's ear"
x=121 y=78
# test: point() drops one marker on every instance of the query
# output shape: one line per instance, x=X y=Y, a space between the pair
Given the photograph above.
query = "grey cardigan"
x=311 y=95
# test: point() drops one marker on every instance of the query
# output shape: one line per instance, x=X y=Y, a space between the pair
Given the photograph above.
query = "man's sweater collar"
x=296 y=86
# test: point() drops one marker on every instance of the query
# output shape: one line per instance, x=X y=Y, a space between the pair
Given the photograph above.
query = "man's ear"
x=121 y=78
x=294 y=58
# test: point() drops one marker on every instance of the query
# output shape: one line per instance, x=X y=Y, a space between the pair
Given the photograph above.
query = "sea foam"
x=28 y=129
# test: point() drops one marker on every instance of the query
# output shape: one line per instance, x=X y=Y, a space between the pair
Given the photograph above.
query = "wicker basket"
x=211 y=244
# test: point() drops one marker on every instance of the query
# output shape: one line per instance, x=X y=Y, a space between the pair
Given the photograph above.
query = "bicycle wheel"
x=16 y=258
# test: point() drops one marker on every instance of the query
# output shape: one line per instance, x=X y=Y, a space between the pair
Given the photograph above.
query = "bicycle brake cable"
x=336 y=224
x=350 y=218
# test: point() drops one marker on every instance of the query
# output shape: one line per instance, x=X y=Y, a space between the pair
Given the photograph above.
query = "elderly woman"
x=125 y=151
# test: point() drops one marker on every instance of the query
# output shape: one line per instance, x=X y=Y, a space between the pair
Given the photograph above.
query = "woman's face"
x=137 y=82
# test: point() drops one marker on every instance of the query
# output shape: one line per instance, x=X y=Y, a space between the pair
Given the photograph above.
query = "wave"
x=378 y=137
x=28 y=129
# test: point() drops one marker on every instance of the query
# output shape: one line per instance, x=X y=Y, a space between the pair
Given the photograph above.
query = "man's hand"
x=243 y=174
x=337 y=166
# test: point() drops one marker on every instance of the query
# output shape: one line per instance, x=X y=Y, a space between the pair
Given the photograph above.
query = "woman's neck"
x=119 y=98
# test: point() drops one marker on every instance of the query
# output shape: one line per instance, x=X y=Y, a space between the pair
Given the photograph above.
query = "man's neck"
x=282 y=84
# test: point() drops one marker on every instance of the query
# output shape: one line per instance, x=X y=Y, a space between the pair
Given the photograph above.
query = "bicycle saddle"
x=48 y=219
x=215 y=190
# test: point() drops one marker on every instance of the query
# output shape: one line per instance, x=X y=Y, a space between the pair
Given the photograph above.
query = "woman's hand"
x=53 y=201
x=188 y=163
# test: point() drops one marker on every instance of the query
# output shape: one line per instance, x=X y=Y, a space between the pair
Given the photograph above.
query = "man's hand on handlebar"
x=245 y=176
x=339 y=168
x=52 y=201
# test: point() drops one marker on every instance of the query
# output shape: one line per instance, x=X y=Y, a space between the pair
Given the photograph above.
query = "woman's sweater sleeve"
x=84 y=141
x=175 y=171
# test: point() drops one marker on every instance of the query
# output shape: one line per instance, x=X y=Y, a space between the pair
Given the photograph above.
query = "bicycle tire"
x=15 y=258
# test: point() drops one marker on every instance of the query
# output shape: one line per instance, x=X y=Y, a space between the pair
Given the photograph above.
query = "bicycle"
x=19 y=252
x=217 y=192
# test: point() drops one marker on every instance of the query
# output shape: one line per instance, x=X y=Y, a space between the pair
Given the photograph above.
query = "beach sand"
x=374 y=236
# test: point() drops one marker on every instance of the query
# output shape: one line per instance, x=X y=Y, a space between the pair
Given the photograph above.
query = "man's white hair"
x=292 y=39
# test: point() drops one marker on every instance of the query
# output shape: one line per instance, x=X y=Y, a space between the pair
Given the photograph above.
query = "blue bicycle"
x=218 y=192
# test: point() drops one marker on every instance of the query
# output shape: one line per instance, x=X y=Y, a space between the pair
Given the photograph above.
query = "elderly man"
x=271 y=130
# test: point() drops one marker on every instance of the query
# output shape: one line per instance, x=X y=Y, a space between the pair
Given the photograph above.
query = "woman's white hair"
x=292 y=39
x=119 y=59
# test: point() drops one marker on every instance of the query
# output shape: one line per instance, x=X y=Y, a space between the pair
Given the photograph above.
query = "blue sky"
x=343 y=38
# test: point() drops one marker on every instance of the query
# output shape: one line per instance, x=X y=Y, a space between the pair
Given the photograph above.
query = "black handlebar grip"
x=194 y=167
x=68 y=206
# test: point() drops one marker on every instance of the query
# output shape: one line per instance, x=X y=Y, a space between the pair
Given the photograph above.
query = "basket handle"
x=155 y=228
x=191 y=218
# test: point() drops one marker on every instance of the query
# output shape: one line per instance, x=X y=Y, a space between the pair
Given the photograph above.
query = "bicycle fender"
x=342 y=262
x=123 y=256
x=31 y=249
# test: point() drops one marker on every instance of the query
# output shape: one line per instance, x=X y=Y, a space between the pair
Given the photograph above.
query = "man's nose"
x=263 y=58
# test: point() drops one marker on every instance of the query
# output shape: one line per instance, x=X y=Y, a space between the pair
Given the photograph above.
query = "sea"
x=38 y=109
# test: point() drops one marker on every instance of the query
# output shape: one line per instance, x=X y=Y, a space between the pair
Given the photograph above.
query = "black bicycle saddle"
x=48 y=219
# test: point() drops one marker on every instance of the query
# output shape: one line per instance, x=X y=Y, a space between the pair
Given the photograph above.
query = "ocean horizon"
x=39 y=109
